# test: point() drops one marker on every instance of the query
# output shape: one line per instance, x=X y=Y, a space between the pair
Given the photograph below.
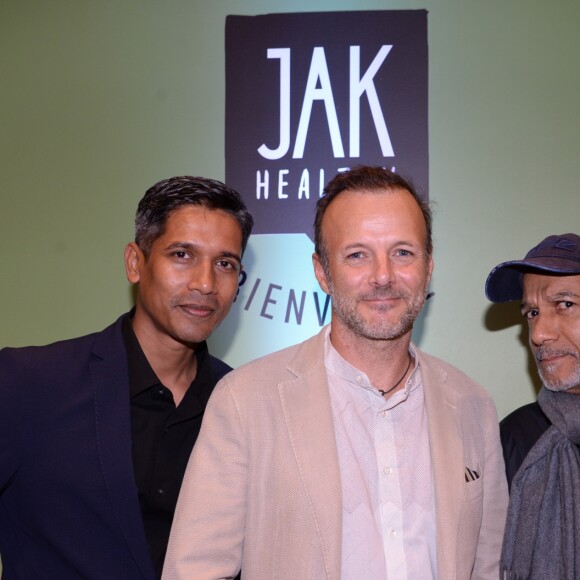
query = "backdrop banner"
x=309 y=95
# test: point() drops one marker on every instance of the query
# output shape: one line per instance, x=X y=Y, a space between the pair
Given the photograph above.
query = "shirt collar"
x=337 y=365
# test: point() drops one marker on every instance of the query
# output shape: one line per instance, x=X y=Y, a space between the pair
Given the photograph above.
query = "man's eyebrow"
x=396 y=244
x=192 y=246
x=563 y=295
x=354 y=245
x=558 y=296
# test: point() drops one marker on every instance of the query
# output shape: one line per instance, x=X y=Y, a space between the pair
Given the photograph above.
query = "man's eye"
x=531 y=313
x=404 y=253
x=355 y=256
x=180 y=254
x=226 y=265
x=565 y=304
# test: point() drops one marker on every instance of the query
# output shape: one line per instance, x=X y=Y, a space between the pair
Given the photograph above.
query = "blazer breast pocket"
x=473 y=483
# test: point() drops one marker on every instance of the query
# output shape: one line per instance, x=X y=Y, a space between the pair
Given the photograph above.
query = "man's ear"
x=319 y=273
x=430 y=269
x=133 y=259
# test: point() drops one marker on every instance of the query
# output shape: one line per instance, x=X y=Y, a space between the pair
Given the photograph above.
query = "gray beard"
x=547 y=372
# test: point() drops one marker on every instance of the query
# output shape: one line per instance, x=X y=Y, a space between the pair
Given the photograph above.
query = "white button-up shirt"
x=385 y=467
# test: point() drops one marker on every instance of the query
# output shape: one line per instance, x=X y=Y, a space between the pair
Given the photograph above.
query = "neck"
x=400 y=381
x=174 y=363
x=383 y=361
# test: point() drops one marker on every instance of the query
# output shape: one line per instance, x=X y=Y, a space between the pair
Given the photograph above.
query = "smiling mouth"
x=381 y=307
x=552 y=359
x=197 y=310
x=383 y=301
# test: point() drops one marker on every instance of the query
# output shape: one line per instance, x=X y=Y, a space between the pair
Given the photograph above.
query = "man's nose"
x=543 y=329
x=382 y=273
x=203 y=278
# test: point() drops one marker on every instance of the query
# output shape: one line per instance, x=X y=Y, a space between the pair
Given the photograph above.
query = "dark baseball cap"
x=559 y=254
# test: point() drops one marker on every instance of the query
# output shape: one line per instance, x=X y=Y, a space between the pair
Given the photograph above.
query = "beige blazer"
x=262 y=489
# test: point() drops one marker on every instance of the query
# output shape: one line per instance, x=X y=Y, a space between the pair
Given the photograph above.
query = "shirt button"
x=393 y=533
x=160 y=491
x=388 y=470
x=359 y=379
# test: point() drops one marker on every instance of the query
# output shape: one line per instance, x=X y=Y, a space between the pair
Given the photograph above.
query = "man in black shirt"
x=95 y=432
x=540 y=441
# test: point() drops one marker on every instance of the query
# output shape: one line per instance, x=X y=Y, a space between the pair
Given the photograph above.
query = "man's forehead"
x=350 y=201
x=550 y=283
x=382 y=191
x=196 y=224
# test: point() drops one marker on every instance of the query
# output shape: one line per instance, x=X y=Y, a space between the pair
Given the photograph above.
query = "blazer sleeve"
x=495 y=500
x=208 y=528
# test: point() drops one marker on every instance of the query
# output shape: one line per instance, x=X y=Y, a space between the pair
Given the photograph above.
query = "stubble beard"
x=345 y=309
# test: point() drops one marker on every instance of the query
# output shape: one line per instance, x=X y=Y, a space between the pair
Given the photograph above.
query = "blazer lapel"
x=447 y=459
x=109 y=377
x=307 y=410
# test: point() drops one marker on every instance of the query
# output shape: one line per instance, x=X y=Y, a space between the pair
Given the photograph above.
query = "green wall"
x=101 y=99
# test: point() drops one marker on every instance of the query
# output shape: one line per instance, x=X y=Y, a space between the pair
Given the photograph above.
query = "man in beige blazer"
x=352 y=455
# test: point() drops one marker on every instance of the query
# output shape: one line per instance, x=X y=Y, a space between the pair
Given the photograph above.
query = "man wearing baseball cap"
x=541 y=440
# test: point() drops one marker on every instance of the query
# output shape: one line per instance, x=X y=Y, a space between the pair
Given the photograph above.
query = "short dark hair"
x=170 y=194
x=367 y=178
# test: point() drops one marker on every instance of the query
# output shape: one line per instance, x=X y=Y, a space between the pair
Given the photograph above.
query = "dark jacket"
x=519 y=432
x=68 y=498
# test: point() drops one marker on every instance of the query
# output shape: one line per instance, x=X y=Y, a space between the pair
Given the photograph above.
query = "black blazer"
x=68 y=500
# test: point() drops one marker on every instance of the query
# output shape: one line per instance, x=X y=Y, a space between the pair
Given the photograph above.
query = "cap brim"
x=504 y=282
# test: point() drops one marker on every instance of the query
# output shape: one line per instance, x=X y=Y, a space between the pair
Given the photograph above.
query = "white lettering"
x=262 y=185
x=359 y=86
x=295 y=183
x=304 y=187
x=284 y=55
x=281 y=183
x=318 y=73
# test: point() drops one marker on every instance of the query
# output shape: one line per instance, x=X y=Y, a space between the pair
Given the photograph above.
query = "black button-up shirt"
x=163 y=436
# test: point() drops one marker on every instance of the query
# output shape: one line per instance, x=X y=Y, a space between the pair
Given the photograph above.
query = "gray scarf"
x=542 y=535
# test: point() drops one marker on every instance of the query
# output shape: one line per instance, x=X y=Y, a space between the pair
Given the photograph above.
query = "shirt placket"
x=390 y=500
